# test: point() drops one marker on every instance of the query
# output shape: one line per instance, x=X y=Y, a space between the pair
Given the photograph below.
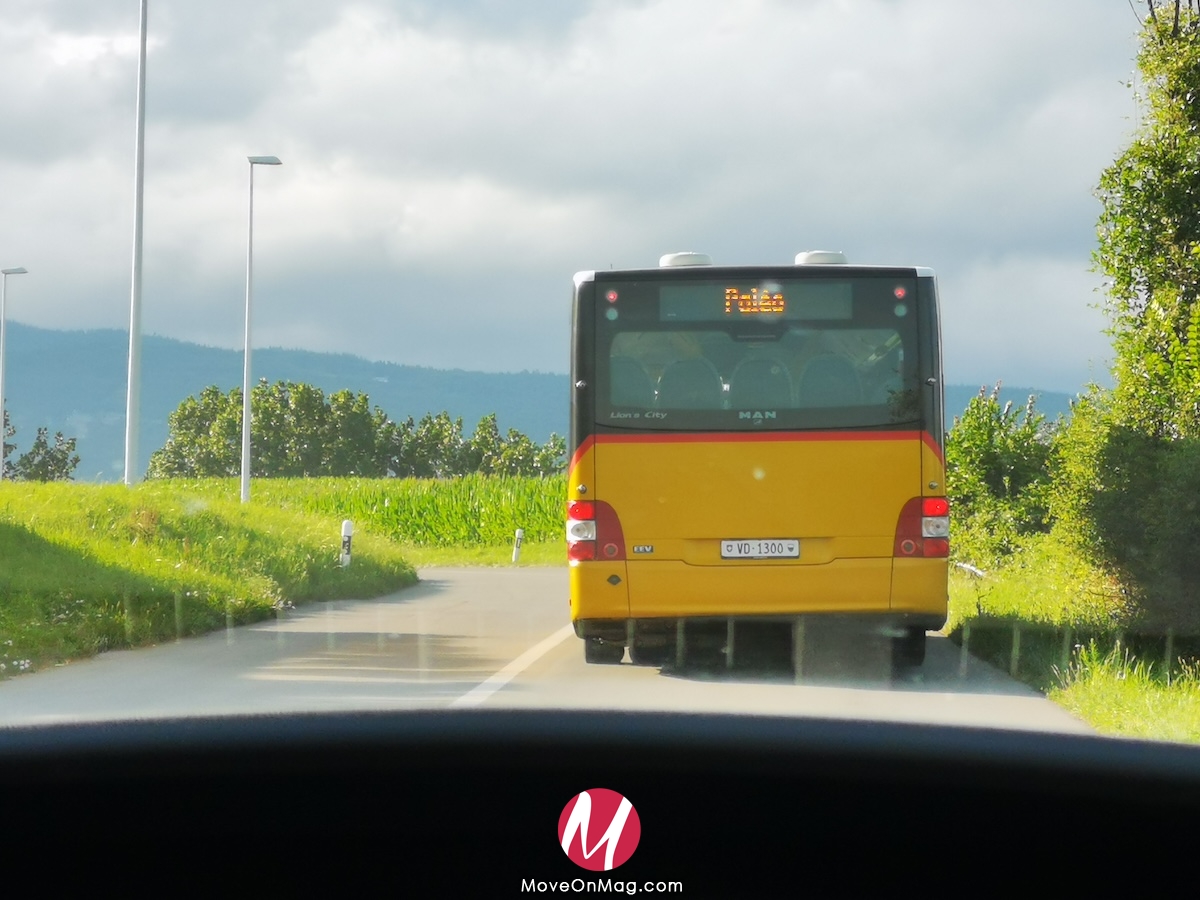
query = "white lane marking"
x=489 y=686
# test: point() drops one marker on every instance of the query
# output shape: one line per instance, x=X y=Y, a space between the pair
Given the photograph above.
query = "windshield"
x=334 y=428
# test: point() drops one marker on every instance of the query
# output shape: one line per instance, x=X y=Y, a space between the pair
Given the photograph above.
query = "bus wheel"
x=597 y=651
x=908 y=652
x=644 y=654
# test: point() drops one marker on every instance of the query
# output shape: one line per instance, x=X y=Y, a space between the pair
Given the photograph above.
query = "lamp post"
x=133 y=385
x=4 y=273
x=254 y=161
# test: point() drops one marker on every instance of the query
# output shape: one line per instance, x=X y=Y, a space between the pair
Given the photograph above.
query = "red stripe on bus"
x=934 y=446
x=727 y=437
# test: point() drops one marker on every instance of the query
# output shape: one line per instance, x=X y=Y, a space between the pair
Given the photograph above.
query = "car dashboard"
x=468 y=802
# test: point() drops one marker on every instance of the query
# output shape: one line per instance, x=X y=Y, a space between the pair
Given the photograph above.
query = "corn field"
x=474 y=510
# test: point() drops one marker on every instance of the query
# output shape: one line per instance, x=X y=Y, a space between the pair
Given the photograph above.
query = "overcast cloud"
x=449 y=166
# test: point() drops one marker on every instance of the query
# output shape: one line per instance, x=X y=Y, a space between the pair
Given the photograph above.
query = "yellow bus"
x=755 y=444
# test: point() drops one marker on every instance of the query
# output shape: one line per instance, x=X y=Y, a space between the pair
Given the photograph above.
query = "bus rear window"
x=858 y=374
x=756 y=353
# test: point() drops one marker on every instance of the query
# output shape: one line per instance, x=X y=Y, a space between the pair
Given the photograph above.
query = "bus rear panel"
x=755 y=444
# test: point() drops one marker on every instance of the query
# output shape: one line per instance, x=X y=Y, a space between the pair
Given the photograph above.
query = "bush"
x=1131 y=500
x=998 y=476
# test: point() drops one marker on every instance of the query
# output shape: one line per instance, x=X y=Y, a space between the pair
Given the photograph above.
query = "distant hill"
x=1048 y=403
x=74 y=382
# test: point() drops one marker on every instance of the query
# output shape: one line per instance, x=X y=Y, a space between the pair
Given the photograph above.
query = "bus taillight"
x=581 y=530
x=935 y=506
x=923 y=529
x=580 y=551
x=593 y=531
x=581 y=509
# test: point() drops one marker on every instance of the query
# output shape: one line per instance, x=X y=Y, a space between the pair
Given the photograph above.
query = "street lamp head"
x=19 y=270
x=264 y=160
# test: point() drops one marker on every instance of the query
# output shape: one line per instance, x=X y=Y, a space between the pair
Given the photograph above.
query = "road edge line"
x=490 y=685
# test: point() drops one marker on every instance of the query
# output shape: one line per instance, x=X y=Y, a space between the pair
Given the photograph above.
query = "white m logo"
x=581 y=818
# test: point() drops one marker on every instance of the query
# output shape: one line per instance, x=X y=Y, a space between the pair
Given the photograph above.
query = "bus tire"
x=597 y=652
x=908 y=652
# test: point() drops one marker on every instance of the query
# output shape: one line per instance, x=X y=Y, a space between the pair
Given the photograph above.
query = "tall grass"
x=471 y=511
x=1121 y=695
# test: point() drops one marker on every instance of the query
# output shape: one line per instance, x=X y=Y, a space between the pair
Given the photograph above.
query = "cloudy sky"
x=449 y=164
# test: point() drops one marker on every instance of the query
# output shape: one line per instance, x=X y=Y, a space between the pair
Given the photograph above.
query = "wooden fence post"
x=962 y=651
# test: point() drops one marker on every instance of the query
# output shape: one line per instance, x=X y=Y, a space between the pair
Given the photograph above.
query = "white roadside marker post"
x=347 y=534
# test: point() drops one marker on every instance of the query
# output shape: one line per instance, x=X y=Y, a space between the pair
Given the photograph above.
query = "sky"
x=448 y=165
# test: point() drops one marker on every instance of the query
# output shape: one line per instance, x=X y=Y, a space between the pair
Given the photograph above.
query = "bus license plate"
x=760 y=549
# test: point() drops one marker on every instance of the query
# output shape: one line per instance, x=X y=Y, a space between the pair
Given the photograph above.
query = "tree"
x=298 y=432
x=486 y=445
x=1128 y=472
x=353 y=437
x=1149 y=236
x=204 y=437
x=295 y=432
x=998 y=472
x=46 y=463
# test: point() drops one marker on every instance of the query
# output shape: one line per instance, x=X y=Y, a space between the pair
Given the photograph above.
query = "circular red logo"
x=599 y=829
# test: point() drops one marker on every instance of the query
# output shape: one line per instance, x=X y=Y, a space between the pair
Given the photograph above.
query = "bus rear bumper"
x=671 y=589
x=890 y=597
x=622 y=631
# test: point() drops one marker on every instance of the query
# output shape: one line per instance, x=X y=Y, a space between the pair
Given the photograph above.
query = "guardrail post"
x=963 y=654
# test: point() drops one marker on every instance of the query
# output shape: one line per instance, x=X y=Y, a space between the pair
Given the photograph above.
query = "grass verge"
x=89 y=568
x=1064 y=627
x=1121 y=695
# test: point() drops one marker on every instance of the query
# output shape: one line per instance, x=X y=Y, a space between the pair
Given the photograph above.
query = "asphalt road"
x=501 y=637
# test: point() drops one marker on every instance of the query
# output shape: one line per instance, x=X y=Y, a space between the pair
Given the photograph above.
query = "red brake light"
x=581 y=550
x=936 y=547
x=582 y=510
x=935 y=506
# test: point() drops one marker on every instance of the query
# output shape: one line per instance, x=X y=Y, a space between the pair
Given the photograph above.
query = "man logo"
x=757 y=414
x=599 y=818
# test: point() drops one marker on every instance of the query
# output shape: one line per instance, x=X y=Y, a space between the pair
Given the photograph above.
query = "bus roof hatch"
x=821 y=258
x=684 y=259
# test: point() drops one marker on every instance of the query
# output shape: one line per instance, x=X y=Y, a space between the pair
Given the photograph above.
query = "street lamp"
x=4 y=273
x=133 y=384
x=254 y=161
